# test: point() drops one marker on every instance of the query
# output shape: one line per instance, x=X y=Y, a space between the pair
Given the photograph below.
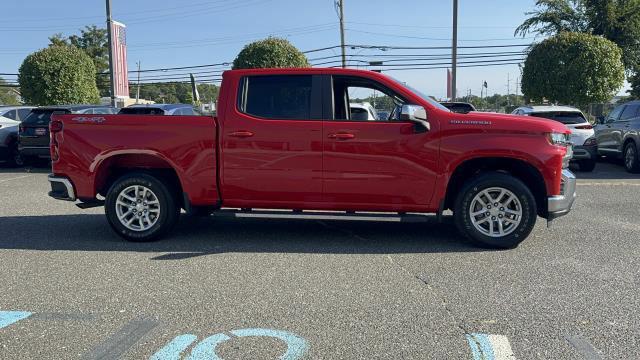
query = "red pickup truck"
x=285 y=139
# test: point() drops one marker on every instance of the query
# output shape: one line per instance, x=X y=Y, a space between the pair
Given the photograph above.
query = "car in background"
x=9 y=142
x=458 y=107
x=17 y=113
x=585 y=149
x=618 y=135
x=383 y=114
x=159 y=109
x=33 y=136
x=363 y=111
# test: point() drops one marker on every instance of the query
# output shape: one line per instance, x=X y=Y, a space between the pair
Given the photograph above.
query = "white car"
x=363 y=111
x=9 y=141
x=585 y=149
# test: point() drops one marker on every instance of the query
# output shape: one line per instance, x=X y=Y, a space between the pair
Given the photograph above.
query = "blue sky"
x=162 y=33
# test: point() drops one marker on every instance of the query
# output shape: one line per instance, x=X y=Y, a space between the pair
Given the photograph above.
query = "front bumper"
x=560 y=205
x=584 y=153
x=61 y=188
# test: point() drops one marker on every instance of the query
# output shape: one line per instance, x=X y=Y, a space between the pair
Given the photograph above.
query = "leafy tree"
x=616 y=20
x=634 y=92
x=270 y=53
x=58 y=75
x=555 y=16
x=93 y=41
x=573 y=68
x=8 y=94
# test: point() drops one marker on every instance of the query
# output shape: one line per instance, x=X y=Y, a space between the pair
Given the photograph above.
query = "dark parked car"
x=33 y=139
x=159 y=109
x=618 y=135
x=459 y=107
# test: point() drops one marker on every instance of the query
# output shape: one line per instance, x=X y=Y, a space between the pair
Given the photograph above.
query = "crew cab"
x=284 y=140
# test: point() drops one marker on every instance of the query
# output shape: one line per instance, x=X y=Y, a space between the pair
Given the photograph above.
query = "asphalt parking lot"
x=222 y=288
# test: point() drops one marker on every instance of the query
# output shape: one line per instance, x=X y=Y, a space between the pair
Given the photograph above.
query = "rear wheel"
x=587 y=165
x=495 y=210
x=13 y=157
x=631 y=160
x=140 y=207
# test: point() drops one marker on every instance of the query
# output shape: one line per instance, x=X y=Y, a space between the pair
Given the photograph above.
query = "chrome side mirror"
x=415 y=113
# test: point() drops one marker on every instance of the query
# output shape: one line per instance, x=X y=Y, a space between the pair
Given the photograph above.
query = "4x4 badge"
x=92 y=119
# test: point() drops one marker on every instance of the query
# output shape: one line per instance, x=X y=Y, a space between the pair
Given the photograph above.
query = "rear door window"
x=565 y=117
x=286 y=97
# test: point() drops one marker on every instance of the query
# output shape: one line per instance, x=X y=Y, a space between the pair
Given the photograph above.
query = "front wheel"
x=140 y=207
x=631 y=159
x=495 y=210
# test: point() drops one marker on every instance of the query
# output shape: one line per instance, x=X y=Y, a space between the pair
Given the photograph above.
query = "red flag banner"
x=119 y=46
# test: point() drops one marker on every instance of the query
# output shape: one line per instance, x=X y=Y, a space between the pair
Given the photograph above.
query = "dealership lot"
x=328 y=289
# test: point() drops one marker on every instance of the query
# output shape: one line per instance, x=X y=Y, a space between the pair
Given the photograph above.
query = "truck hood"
x=516 y=123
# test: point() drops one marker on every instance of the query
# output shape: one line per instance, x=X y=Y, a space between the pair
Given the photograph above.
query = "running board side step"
x=323 y=215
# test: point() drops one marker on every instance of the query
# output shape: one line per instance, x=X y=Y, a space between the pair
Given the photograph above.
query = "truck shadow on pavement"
x=194 y=237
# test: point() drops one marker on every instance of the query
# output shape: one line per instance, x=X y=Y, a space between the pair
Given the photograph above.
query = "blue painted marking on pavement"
x=9 y=317
x=481 y=347
x=206 y=349
x=174 y=348
x=296 y=346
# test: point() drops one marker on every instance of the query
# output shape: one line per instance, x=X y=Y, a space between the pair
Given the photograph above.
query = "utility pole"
x=454 y=51
x=508 y=89
x=342 y=46
x=138 y=91
x=111 y=71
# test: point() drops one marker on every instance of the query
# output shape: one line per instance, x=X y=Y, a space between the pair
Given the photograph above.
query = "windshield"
x=567 y=118
x=425 y=97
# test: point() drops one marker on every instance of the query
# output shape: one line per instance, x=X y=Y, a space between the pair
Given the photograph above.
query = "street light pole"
x=344 y=56
x=109 y=42
x=454 y=51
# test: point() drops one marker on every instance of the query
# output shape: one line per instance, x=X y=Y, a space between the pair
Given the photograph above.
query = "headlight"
x=591 y=142
x=558 y=139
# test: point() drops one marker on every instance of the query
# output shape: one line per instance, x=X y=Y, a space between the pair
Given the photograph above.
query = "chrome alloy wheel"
x=137 y=208
x=495 y=212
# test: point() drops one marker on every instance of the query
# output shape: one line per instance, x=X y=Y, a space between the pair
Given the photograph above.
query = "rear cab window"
x=285 y=97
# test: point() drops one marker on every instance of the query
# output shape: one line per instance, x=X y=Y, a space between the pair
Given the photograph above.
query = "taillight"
x=584 y=127
x=55 y=126
x=21 y=128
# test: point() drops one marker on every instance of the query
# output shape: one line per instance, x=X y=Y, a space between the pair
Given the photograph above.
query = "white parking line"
x=609 y=183
x=490 y=347
x=16 y=178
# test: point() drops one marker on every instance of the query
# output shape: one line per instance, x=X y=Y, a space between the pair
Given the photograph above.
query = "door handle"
x=342 y=136
x=241 y=134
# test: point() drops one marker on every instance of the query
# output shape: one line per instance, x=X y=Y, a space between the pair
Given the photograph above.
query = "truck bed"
x=96 y=147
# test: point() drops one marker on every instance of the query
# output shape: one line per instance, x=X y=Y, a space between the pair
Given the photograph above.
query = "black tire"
x=587 y=165
x=462 y=214
x=14 y=159
x=169 y=208
x=630 y=158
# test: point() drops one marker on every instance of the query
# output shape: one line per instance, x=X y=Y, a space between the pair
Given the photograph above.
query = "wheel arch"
x=520 y=169
x=109 y=169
